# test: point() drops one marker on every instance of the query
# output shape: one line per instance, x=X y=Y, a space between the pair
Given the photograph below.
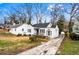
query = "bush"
x=74 y=36
x=36 y=37
x=29 y=34
x=40 y=36
x=24 y=35
x=19 y=35
x=33 y=38
x=67 y=34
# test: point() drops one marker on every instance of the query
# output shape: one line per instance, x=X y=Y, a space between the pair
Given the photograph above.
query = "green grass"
x=69 y=47
x=9 y=47
x=5 y=33
x=5 y=43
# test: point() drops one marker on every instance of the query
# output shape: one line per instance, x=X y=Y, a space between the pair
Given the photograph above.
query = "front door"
x=49 y=33
x=37 y=31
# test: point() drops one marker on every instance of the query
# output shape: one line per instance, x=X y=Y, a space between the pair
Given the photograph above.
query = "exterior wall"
x=55 y=32
x=18 y=30
x=50 y=24
x=25 y=31
x=42 y=32
x=76 y=28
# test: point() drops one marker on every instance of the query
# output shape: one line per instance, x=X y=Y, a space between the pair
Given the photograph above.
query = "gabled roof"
x=41 y=25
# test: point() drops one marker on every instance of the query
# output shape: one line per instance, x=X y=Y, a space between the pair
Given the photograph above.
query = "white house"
x=22 y=29
x=45 y=29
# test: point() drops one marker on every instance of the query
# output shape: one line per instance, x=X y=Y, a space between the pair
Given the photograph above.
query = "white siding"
x=25 y=27
x=55 y=32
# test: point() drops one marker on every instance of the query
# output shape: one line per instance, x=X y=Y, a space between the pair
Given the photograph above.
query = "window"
x=56 y=30
x=42 y=30
x=22 y=29
x=15 y=29
x=29 y=30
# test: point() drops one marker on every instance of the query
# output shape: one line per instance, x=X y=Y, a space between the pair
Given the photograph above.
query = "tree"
x=73 y=12
x=24 y=13
x=75 y=34
x=39 y=12
x=12 y=18
x=45 y=21
x=5 y=21
x=60 y=23
x=29 y=13
x=55 y=11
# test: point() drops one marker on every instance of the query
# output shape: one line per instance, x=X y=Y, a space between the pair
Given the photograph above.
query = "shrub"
x=36 y=37
x=40 y=36
x=19 y=34
x=74 y=36
x=24 y=35
x=33 y=38
x=29 y=34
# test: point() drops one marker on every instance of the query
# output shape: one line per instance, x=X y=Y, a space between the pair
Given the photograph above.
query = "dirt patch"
x=13 y=38
x=5 y=35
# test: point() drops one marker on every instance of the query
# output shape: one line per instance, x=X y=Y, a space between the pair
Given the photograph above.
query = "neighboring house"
x=75 y=31
x=22 y=29
x=76 y=28
x=45 y=29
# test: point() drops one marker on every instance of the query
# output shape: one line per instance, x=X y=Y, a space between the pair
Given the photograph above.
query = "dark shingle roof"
x=53 y=25
x=41 y=25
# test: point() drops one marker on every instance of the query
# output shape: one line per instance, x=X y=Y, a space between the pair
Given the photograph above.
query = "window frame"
x=42 y=30
x=15 y=29
x=29 y=30
x=22 y=29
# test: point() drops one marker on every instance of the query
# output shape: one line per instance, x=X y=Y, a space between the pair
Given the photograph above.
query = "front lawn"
x=14 y=47
x=5 y=33
x=9 y=47
x=11 y=44
x=69 y=47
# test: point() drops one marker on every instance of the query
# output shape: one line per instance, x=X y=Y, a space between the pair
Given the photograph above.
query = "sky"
x=8 y=7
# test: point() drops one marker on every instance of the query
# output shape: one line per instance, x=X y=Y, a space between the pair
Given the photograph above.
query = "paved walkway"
x=49 y=48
